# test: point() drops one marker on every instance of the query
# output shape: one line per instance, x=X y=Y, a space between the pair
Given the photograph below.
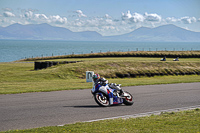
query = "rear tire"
x=128 y=100
x=101 y=100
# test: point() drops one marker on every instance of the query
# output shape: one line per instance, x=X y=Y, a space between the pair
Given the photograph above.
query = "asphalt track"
x=31 y=110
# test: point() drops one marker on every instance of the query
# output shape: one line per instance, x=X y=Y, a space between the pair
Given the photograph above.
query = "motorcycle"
x=109 y=94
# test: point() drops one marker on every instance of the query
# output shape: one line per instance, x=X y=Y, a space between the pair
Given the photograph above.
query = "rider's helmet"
x=95 y=77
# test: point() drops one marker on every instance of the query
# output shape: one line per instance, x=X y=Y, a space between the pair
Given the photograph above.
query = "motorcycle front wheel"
x=128 y=100
x=101 y=99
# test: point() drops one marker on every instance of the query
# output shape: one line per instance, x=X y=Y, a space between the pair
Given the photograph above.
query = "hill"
x=165 y=33
x=44 y=32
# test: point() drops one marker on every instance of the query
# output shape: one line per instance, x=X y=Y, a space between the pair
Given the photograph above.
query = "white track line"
x=146 y=114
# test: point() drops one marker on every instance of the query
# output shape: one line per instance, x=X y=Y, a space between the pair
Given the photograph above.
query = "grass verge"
x=73 y=84
x=183 y=122
x=21 y=77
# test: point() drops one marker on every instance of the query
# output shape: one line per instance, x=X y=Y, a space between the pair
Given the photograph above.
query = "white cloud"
x=8 y=14
x=188 y=20
x=136 y=17
x=80 y=13
x=126 y=16
x=28 y=14
x=7 y=21
x=93 y=22
x=57 y=19
x=76 y=23
x=152 y=17
x=106 y=25
x=184 y=20
x=40 y=16
x=7 y=9
x=107 y=16
x=171 y=19
x=109 y=22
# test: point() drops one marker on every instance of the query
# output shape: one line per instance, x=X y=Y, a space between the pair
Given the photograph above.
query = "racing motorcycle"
x=109 y=94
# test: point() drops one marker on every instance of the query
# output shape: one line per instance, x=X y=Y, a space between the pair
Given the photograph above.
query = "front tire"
x=101 y=99
x=128 y=100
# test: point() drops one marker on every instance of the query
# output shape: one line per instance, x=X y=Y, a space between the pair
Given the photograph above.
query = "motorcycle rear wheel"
x=101 y=100
x=128 y=100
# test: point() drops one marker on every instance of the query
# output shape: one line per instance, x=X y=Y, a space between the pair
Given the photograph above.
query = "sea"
x=12 y=50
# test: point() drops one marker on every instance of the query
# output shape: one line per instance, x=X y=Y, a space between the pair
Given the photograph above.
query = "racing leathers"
x=102 y=82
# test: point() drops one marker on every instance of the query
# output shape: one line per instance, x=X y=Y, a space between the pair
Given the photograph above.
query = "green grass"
x=179 y=122
x=21 y=77
x=168 y=54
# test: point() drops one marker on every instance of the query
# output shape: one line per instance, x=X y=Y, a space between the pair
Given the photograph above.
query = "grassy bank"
x=21 y=77
x=185 y=121
x=168 y=54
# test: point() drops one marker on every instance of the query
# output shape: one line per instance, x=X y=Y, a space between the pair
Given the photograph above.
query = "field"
x=20 y=77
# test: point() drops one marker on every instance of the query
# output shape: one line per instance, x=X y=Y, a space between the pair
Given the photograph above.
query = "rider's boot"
x=121 y=93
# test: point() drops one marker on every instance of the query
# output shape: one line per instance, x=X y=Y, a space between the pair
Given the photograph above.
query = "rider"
x=98 y=81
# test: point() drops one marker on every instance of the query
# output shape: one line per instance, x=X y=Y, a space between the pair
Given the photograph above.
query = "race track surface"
x=31 y=110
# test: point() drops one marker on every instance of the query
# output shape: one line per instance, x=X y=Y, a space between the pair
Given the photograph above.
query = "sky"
x=107 y=17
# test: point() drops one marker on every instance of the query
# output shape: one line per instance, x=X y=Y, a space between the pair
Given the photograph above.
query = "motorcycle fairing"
x=104 y=89
x=113 y=99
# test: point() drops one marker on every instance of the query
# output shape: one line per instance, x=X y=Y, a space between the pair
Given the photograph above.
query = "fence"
x=100 y=51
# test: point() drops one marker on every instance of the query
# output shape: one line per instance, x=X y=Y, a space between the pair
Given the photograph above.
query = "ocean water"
x=11 y=50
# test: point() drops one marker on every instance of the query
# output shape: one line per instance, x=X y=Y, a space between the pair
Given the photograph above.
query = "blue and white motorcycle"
x=109 y=94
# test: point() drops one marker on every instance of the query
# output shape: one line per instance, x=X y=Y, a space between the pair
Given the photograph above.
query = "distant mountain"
x=165 y=33
x=44 y=32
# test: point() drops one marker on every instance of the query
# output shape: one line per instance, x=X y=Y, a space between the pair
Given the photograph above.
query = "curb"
x=148 y=113
x=145 y=114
